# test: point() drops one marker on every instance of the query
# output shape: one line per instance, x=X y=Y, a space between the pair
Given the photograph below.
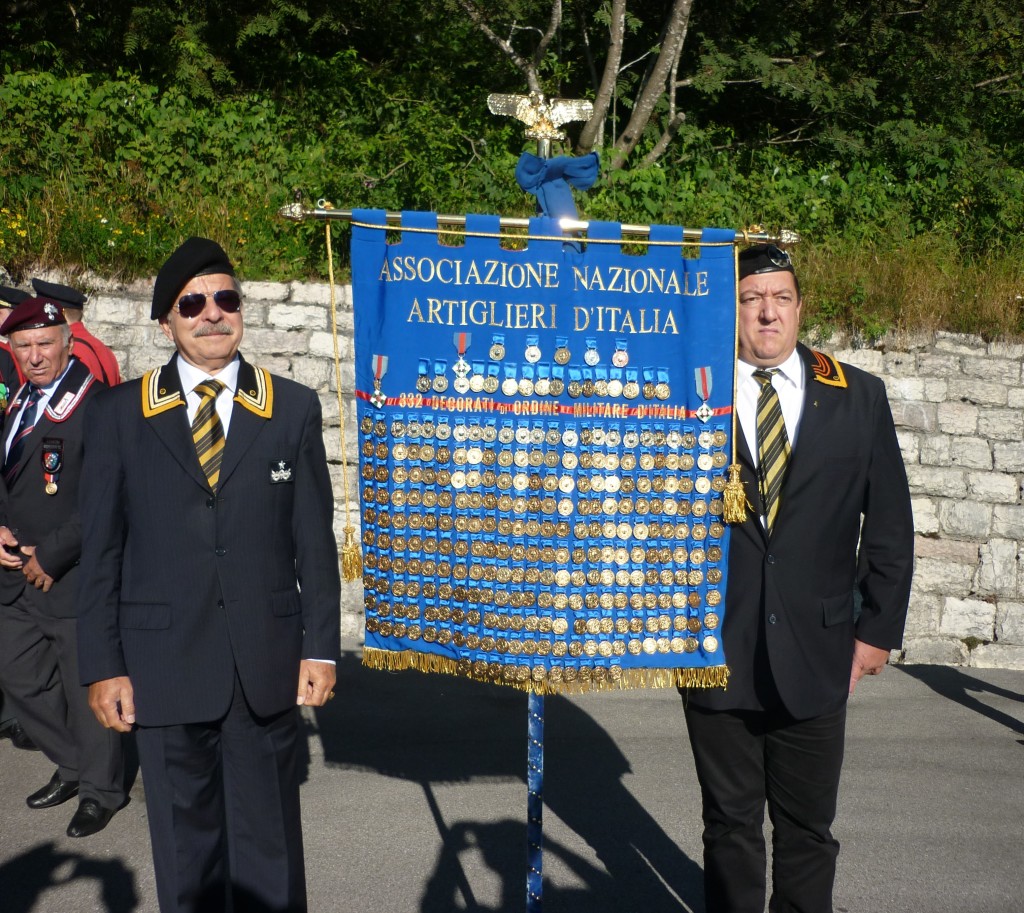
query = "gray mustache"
x=212 y=329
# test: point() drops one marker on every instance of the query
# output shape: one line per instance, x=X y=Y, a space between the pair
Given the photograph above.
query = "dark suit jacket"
x=50 y=522
x=181 y=586
x=790 y=616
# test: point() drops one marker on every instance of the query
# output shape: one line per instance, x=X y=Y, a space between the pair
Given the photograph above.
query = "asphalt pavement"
x=415 y=802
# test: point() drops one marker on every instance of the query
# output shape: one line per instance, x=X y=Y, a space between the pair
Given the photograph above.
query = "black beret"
x=32 y=314
x=12 y=296
x=195 y=257
x=764 y=258
x=64 y=295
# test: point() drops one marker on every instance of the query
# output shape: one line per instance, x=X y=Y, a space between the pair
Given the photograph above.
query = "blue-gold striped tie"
x=772 y=446
x=207 y=430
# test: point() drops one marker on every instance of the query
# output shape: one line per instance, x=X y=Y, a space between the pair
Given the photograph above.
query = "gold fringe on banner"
x=351 y=554
x=539 y=679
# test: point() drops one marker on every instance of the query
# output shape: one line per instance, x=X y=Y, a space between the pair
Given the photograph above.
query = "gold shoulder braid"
x=256 y=392
x=827 y=370
x=155 y=398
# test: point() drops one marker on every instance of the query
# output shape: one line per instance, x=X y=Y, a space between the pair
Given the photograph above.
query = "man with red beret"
x=40 y=546
x=209 y=604
x=96 y=356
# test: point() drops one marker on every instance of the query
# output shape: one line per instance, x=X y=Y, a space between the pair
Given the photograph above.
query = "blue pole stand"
x=535 y=804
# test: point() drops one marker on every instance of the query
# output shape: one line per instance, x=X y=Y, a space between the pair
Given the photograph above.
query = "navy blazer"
x=50 y=522
x=796 y=601
x=181 y=586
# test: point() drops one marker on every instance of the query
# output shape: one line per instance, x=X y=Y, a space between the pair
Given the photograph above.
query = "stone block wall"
x=958 y=403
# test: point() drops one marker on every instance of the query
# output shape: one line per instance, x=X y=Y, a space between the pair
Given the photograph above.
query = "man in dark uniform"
x=210 y=595
x=819 y=582
x=96 y=356
x=10 y=728
x=10 y=378
x=40 y=544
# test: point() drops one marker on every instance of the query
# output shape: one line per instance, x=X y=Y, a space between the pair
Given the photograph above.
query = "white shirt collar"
x=791 y=370
x=191 y=375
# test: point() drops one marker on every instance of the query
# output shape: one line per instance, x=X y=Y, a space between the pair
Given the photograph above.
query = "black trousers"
x=39 y=675
x=224 y=819
x=744 y=760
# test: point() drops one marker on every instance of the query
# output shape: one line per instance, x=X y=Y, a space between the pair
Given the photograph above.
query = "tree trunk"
x=672 y=42
x=593 y=128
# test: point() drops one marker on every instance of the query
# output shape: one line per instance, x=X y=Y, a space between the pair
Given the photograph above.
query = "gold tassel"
x=351 y=552
x=351 y=557
x=734 y=498
x=402 y=660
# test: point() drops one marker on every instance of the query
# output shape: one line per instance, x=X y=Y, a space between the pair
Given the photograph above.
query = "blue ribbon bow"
x=550 y=180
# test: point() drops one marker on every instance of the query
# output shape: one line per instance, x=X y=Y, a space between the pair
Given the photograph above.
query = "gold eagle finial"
x=542 y=117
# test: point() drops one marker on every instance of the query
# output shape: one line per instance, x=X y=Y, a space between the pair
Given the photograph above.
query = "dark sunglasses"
x=228 y=300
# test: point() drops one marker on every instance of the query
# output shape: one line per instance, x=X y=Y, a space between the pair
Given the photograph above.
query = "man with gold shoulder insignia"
x=40 y=546
x=819 y=582
x=210 y=601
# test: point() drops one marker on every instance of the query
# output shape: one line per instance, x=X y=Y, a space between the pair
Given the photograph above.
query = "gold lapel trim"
x=827 y=370
x=155 y=400
x=255 y=390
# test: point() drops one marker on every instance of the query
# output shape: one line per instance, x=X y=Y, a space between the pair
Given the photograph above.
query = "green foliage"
x=890 y=134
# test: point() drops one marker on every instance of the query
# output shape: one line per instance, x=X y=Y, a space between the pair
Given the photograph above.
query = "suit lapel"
x=250 y=411
x=165 y=412
x=813 y=420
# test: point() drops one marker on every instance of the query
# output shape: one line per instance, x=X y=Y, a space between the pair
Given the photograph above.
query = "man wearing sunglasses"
x=819 y=582
x=210 y=604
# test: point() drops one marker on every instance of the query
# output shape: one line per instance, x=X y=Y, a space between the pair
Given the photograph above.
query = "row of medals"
x=468 y=381
x=404 y=465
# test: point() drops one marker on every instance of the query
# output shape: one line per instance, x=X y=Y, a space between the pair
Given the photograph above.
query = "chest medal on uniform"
x=52 y=456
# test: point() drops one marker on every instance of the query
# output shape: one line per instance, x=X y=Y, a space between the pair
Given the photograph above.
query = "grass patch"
x=900 y=285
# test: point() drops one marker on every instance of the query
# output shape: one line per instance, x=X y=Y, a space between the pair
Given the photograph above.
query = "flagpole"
x=296 y=212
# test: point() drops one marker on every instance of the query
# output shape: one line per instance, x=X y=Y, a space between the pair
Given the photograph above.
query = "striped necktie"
x=772 y=445
x=25 y=425
x=207 y=430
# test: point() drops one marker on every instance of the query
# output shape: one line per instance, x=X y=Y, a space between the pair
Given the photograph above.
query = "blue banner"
x=544 y=437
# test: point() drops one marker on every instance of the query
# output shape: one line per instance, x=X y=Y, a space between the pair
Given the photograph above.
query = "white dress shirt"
x=789 y=383
x=191 y=376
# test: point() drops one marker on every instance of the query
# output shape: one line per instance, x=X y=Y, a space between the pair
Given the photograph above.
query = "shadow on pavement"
x=956 y=685
x=437 y=729
x=26 y=878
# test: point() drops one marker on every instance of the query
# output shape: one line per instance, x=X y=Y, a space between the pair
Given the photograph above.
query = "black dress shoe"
x=90 y=819
x=54 y=793
x=19 y=738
